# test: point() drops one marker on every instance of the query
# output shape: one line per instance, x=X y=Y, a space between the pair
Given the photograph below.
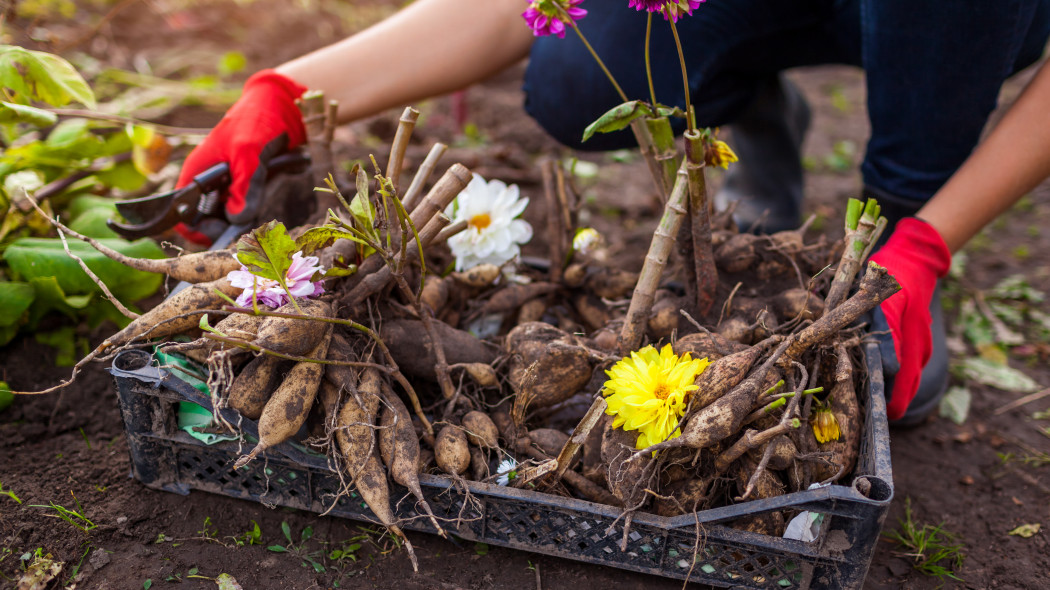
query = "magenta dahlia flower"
x=549 y=17
x=649 y=5
x=679 y=8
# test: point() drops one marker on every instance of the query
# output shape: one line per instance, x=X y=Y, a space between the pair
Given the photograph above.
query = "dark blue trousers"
x=934 y=70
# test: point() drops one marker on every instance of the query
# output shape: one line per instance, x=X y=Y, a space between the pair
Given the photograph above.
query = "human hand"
x=916 y=256
x=264 y=122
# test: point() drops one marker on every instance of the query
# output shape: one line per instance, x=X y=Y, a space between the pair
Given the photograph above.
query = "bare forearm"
x=430 y=48
x=1012 y=161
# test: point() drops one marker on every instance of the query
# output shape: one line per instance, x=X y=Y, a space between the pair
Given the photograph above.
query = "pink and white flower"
x=269 y=292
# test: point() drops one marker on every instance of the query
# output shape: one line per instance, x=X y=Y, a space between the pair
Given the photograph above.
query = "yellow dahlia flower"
x=649 y=391
x=825 y=426
x=718 y=153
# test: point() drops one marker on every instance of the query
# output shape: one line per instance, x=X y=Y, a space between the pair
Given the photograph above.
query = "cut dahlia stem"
x=558 y=244
x=706 y=274
x=655 y=260
x=375 y=276
x=580 y=433
x=665 y=152
x=423 y=175
x=876 y=286
x=316 y=119
x=405 y=125
x=862 y=221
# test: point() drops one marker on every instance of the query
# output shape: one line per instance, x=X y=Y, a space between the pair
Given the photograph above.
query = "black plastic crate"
x=166 y=458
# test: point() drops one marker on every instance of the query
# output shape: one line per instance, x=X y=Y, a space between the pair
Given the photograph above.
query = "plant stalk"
x=637 y=319
x=705 y=273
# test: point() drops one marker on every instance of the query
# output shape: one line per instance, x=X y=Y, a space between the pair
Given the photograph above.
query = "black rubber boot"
x=934 y=380
x=766 y=183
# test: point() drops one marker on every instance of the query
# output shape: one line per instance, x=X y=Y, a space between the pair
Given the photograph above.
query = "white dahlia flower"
x=493 y=233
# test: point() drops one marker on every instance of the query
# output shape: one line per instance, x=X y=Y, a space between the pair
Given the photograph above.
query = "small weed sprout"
x=252 y=536
x=309 y=558
x=9 y=493
x=73 y=517
x=933 y=550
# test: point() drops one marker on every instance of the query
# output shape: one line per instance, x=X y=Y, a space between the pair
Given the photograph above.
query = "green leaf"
x=1026 y=530
x=339 y=271
x=361 y=207
x=955 y=405
x=92 y=223
x=321 y=237
x=20 y=113
x=286 y=530
x=147 y=584
x=267 y=251
x=6 y=397
x=481 y=548
x=32 y=258
x=989 y=373
x=36 y=75
x=307 y=533
x=64 y=341
x=232 y=62
x=68 y=133
x=277 y=548
x=227 y=582
x=15 y=299
x=122 y=176
x=617 y=118
x=48 y=296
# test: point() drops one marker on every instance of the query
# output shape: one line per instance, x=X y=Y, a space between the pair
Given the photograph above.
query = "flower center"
x=662 y=391
x=480 y=221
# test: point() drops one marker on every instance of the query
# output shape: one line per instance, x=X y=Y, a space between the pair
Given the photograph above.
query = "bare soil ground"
x=71 y=450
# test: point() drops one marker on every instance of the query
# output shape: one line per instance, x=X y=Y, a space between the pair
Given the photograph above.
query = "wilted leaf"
x=20 y=113
x=955 y=405
x=227 y=582
x=18 y=184
x=1026 y=530
x=150 y=150
x=617 y=118
x=35 y=75
x=40 y=572
x=1016 y=287
x=976 y=327
x=989 y=373
x=267 y=251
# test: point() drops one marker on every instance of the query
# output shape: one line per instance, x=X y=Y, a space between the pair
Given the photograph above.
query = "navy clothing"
x=934 y=70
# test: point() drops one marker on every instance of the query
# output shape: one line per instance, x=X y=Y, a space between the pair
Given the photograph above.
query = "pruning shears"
x=201 y=199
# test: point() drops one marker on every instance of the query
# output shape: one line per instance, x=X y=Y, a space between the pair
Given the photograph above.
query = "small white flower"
x=586 y=240
x=493 y=233
x=506 y=471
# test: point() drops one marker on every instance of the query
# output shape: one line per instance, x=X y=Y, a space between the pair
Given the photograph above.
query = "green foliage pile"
x=93 y=158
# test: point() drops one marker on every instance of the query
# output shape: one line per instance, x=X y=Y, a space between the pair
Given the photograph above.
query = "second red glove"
x=916 y=256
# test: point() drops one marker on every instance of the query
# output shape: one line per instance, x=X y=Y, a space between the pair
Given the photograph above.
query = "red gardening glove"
x=916 y=256
x=264 y=122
